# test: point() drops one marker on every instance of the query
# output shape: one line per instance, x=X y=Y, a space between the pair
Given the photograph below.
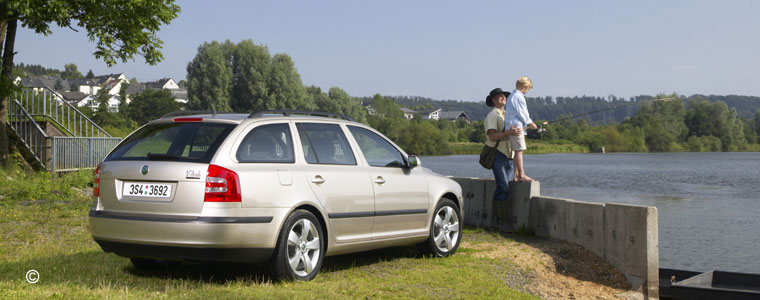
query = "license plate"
x=147 y=189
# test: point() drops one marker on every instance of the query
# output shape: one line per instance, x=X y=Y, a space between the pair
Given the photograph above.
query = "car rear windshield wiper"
x=158 y=156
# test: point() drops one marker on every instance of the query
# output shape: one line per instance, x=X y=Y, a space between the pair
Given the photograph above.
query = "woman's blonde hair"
x=524 y=82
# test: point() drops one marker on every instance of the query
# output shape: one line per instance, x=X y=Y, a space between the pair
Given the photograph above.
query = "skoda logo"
x=144 y=170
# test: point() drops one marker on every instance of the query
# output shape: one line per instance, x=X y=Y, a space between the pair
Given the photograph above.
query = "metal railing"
x=50 y=106
x=27 y=130
x=72 y=153
x=85 y=148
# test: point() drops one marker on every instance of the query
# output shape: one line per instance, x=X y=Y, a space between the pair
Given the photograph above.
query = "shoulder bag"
x=488 y=155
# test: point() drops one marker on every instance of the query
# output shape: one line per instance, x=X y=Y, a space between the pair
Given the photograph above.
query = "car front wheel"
x=445 y=230
x=299 y=251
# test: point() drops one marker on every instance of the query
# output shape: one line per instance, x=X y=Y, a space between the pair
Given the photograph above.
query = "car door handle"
x=318 y=180
x=379 y=180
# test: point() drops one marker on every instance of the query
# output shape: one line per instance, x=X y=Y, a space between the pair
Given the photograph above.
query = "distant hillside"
x=552 y=108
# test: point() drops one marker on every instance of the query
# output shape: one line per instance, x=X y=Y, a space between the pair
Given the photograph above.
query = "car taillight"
x=96 y=182
x=222 y=185
x=178 y=120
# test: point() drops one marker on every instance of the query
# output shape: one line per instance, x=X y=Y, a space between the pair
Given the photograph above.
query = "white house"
x=408 y=113
x=89 y=87
x=430 y=114
x=455 y=116
x=163 y=83
x=91 y=102
x=180 y=95
x=111 y=82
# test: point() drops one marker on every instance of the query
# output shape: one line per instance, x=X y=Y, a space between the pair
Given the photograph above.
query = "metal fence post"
x=89 y=152
x=53 y=154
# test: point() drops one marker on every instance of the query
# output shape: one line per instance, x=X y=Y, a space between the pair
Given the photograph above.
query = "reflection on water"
x=708 y=203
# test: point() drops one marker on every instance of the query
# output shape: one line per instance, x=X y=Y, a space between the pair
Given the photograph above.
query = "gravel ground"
x=552 y=269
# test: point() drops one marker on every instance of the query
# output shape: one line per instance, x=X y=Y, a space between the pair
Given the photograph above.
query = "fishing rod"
x=606 y=109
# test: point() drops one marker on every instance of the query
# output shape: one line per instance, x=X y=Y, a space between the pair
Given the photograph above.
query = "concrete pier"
x=624 y=235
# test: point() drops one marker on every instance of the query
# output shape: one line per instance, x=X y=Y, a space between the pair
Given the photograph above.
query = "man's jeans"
x=503 y=173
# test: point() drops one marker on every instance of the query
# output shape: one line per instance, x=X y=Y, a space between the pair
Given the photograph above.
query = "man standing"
x=496 y=134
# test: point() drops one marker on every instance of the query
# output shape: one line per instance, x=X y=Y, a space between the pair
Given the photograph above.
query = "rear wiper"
x=158 y=156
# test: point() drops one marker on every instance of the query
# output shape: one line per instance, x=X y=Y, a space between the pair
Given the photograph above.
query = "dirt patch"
x=552 y=269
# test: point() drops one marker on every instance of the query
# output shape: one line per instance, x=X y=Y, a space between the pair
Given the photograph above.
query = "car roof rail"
x=193 y=112
x=286 y=113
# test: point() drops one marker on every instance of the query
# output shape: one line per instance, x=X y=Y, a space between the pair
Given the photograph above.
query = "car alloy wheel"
x=300 y=246
x=303 y=247
x=445 y=230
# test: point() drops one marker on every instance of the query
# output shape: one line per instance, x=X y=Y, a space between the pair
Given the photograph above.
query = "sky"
x=460 y=50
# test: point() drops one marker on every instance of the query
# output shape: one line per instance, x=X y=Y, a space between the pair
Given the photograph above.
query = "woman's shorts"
x=517 y=142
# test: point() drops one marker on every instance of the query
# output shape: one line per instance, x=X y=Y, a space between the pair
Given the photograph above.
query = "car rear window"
x=192 y=142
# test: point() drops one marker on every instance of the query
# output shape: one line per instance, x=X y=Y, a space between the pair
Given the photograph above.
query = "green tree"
x=209 y=78
x=103 y=113
x=756 y=124
x=707 y=143
x=422 y=138
x=120 y=29
x=58 y=86
x=478 y=134
x=245 y=78
x=346 y=104
x=285 y=88
x=251 y=66
x=151 y=104
x=663 y=123
x=705 y=118
x=385 y=107
x=336 y=101
x=750 y=132
x=634 y=137
x=70 y=72
x=123 y=97
x=90 y=75
x=117 y=124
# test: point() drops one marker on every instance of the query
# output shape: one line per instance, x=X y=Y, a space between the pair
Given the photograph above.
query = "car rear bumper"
x=243 y=239
x=186 y=253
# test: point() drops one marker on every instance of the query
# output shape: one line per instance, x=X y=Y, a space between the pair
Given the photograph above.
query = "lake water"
x=708 y=203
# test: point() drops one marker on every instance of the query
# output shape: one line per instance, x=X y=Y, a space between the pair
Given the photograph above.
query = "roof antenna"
x=213 y=111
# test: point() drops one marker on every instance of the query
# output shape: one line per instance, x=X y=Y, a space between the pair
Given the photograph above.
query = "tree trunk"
x=5 y=88
x=3 y=24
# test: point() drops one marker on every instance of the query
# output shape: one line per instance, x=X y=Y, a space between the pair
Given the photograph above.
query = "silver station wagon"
x=280 y=186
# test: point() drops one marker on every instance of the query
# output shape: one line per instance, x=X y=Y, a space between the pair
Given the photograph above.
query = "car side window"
x=271 y=143
x=378 y=151
x=325 y=144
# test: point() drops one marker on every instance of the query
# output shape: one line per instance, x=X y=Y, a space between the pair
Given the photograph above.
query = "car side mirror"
x=412 y=161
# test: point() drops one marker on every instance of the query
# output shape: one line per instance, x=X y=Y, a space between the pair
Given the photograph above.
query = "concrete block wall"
x=518 y=207
x=547 y=217
x=632 y=244
x=624 y=235
x=584 y=225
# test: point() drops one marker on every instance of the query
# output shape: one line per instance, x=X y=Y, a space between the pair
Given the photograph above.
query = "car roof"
x=241 y=117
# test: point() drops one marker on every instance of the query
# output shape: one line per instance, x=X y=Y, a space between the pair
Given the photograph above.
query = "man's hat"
x=495 y=92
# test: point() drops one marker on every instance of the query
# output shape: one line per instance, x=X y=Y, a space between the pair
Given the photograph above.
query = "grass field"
x=44 y=227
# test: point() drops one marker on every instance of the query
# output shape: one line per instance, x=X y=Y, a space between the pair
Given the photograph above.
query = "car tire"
x=300 y=247
x=445 y=230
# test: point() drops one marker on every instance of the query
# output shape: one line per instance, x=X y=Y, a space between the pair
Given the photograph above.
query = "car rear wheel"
x=445 y=230
x=299 y=251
